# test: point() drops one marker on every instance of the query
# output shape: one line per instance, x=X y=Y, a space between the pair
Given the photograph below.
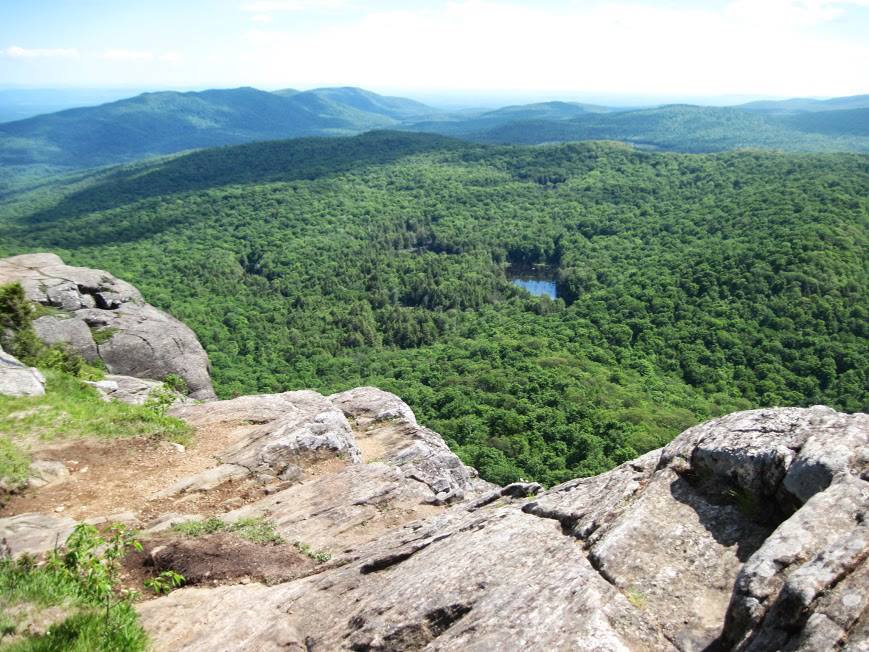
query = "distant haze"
x=482 y=52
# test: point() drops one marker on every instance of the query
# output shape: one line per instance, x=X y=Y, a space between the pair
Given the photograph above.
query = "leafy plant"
x=200 y=528
x=82 y=576
x=176 y=383
x=160 y=399
x=103 y=335
x=258 y=530
x=165 y=582
x=317 y=555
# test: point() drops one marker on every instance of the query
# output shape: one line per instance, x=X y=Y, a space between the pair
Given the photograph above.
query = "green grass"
x=84 y=630
x=72 y=409
x=199 y=528
x=103 y=335
x=258 y=530
x=316 y=555
x=13 y=463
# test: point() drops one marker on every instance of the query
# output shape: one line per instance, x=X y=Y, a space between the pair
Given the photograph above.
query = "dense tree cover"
x=163 y=123
x=691 y=285
x=167 y=122
x=679 y=128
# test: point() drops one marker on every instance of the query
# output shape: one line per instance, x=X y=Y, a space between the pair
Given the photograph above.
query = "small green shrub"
x=16 y=324
x=82 y=577
x=176 y=383
x=160 y=399
x=103 y=335
x=165 y=582
x=317 y=555
x=200 y=528
x=258 y=530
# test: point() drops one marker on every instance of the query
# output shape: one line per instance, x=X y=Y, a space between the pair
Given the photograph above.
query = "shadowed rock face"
x=105 y=318
x=746 y=533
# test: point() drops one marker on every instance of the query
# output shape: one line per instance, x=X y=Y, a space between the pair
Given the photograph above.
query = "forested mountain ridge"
x=677 y=128
x=690 y=285
x=801 y=105
x=166 y=122
x=154 y=124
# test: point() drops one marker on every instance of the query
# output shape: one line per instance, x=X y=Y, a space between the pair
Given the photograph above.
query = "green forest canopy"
x=691 y=285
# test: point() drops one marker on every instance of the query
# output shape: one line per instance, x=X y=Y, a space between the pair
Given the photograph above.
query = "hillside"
x=800 y=105
x=689 y=285
x=162 y=123
x=166 y=122
x=678 y=128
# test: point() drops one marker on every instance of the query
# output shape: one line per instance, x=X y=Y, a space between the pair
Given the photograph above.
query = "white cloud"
x=16 y=52
x=171 y=57
x=613 y=47
x=120 y=54
x=261 y=18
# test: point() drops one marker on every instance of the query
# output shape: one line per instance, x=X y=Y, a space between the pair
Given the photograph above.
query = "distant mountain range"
x=162 y=123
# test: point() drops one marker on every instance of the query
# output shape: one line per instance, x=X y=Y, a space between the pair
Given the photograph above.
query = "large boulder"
x=106 y=318
x=17 y=379
x=747 y=532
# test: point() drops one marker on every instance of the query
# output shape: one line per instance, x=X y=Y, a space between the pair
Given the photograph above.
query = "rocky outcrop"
x=134 y=391
x=747 y=532
x=105 y=318
x=33 y=533
x=17 y=379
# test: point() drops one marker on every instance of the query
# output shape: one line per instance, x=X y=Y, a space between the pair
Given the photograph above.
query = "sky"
x=570 y=49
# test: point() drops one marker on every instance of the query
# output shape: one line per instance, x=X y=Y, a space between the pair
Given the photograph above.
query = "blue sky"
x=571 y=48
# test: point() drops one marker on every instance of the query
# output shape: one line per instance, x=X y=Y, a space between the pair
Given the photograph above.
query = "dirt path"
x=118 y=475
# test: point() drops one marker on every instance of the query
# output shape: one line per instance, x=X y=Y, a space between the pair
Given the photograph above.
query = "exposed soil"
x=221 y=558
x=120 y=475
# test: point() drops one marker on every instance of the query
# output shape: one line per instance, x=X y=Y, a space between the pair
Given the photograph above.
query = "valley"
x=688 y=285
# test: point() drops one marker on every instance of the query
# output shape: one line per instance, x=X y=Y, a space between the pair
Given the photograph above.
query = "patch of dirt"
x=225 y=497
x=376 y=439
x=119 y=475
x=221 y=558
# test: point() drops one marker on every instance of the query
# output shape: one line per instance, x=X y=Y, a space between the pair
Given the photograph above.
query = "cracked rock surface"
x=103 y=317
x=747 y=532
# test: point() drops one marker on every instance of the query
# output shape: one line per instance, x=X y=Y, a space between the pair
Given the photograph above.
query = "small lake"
x=537 y=286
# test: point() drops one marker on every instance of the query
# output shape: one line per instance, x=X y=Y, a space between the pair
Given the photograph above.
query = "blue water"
x=537 y=287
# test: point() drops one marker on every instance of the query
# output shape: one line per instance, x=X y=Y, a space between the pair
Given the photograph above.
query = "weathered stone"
x=506 y=580
x=17 y=379
x=204 y=481
x=46 y=472
x=66 y=330
x=807 y=554
x=34 y=534
x=135 y=391
x=388 y=426
x=143 y=341
x=311 y=431
x=659 y=553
